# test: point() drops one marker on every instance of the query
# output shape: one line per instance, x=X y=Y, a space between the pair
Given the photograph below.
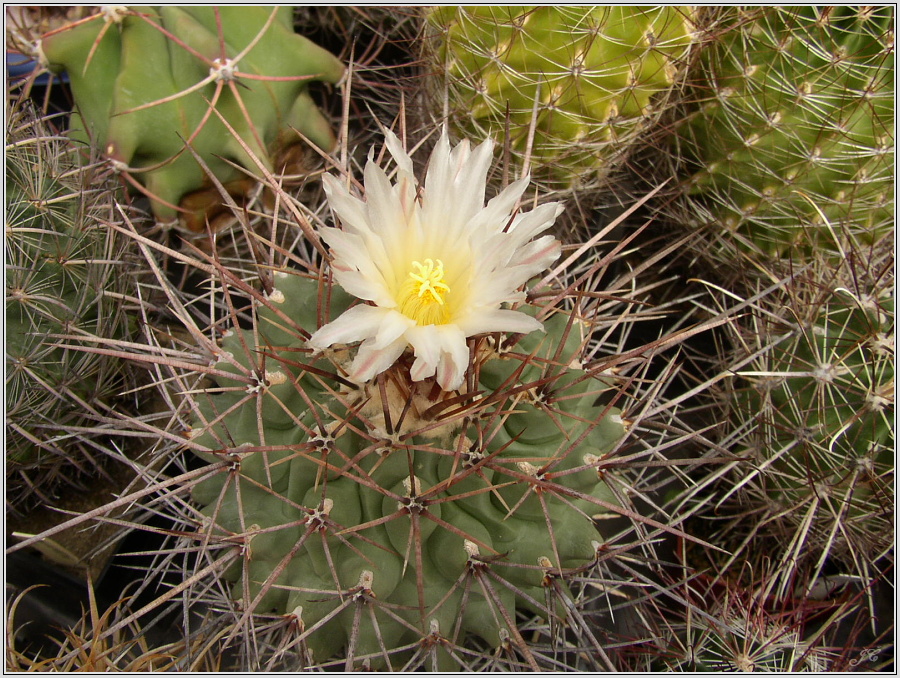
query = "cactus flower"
x=434 y=265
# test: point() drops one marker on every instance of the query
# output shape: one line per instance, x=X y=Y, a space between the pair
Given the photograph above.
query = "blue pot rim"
x=19 y=66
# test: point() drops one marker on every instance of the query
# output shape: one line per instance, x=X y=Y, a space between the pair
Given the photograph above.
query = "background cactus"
x=783 y=155
x=229 y=83
x=813 y=407
x=66 y=282
x=791 y=142
x=732 y=621
x=597 y=77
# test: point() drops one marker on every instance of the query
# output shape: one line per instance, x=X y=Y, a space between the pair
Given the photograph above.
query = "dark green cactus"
x=148 y=80
x=815 y=403
x=792 y=142
x=334 y=499
x=65 y=279
x=826 y=399
x=726 y=627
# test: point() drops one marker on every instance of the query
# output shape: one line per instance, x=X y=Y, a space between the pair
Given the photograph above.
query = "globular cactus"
x=791 y=144
x=229 y=83
x=595 y=77
x=728 y=628
x=384 y=497
x=65 y=284
x=812 y=407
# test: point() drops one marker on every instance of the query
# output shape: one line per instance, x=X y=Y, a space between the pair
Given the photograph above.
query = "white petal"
x=441 y=350
x=496 y=285
x=471 y=178
x=352 y=252
x=425 y=343
x=451 y=369
x=395 y=148
x=393 y=326
x=501 y=284
x=537 y=255
x=349 y=209
x=405 y=191
x=438 y=176
x=384 y=211
x=454 y=188
x=356 y=324
x=499 y=250
x=493 y=284
x=529 y=224
x=362 y=287
x=371 y=361
x=498 y=320
x=495 y=215
x=405 y=184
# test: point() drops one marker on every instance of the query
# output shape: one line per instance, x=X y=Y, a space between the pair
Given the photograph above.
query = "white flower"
x=435 y=265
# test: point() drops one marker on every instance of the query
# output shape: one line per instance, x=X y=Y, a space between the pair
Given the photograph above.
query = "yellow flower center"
x=422 y=294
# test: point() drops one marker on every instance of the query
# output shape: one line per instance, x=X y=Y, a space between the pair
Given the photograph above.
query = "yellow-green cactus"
x=792 y=144
x=595 y=77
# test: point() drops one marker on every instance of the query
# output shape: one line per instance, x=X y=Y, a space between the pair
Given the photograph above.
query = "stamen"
x=422 y=295
x=431 y=279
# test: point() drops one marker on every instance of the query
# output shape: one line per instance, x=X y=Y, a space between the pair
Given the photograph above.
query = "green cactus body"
x=597 y=76
x=151 y=55
x=794 y=128
x=824 y=399
x=408 y=510
x=59 y=254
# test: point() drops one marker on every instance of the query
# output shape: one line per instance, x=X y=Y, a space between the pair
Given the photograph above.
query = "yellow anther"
x=430 y=277
x=422 y=295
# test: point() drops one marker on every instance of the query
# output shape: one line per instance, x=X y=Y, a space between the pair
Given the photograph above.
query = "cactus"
x=65 y=284
x=812 y=408
x=335 y=490
x=347 y=495
x=595 y=77
x=737 y=617
x=155 y=86
x=726 y=627
x=406 y=488
x=791 y=144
